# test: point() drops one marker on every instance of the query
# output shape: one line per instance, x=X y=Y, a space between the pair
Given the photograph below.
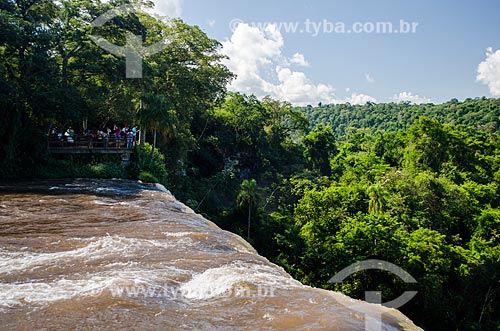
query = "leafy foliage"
x=53 y=75
x=479 y=113
x=148 y=166
x=77 y=167
x=425 y=209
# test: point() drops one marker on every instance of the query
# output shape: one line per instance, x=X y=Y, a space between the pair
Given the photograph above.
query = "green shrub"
x=83 y=167
x=145 y=164
x=106 y=170
x=147 y=177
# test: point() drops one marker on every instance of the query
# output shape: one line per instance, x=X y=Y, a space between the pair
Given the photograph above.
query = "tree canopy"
x=53 y=74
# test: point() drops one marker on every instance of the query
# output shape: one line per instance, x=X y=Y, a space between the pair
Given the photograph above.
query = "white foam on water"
x=74 y=185
x=162 y=188
x=103 y=203
x=217 y=282
x=119 y=282
x=42 y=293
x=95 y=249
x=178 y=234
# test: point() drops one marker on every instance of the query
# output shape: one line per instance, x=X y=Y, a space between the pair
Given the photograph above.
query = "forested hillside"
x=426 y=199
x=477 y=113
x=313 y=189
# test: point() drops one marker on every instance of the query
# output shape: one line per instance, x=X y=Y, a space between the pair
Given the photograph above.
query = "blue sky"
x=303 y=65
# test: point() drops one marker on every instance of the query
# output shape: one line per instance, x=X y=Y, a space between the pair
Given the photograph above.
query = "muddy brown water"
x=119 y=255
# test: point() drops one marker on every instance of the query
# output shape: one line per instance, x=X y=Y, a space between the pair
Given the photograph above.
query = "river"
x=120 y=255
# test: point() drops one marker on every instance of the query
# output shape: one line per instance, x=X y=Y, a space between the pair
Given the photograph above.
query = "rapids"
x=120 y=255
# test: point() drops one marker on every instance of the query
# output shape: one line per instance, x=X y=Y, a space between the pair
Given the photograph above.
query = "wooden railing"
x=89 y=143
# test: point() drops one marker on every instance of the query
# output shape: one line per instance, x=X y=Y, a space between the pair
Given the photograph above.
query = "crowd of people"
x=117 y=137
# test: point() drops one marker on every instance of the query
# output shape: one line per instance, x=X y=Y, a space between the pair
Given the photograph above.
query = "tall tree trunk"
x=154 y=143
x=142 y=131
x=249 y=216
x=142 y=136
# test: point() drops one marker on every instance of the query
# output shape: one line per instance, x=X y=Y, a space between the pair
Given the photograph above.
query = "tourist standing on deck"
x=130 y=139
x=134 y=132
x=118 y=136
x=70 y=134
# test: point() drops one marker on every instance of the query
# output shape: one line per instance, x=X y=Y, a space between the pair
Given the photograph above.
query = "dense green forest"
x=53 y=75
x=314 y=189
x=479 y=113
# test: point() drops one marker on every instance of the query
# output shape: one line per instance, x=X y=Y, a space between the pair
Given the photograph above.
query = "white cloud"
x=358 y=99
x=299 y=59
x=488 y=71
x=170 y=8
x=251 y=54
x=294 y=86
x=211 y=23
x=408 y=96
x=369 y=78
x=256 y=57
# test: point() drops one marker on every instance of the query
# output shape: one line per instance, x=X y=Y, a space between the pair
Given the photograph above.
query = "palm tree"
x=156 y=113
x=378 y=198
x=248 y=196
